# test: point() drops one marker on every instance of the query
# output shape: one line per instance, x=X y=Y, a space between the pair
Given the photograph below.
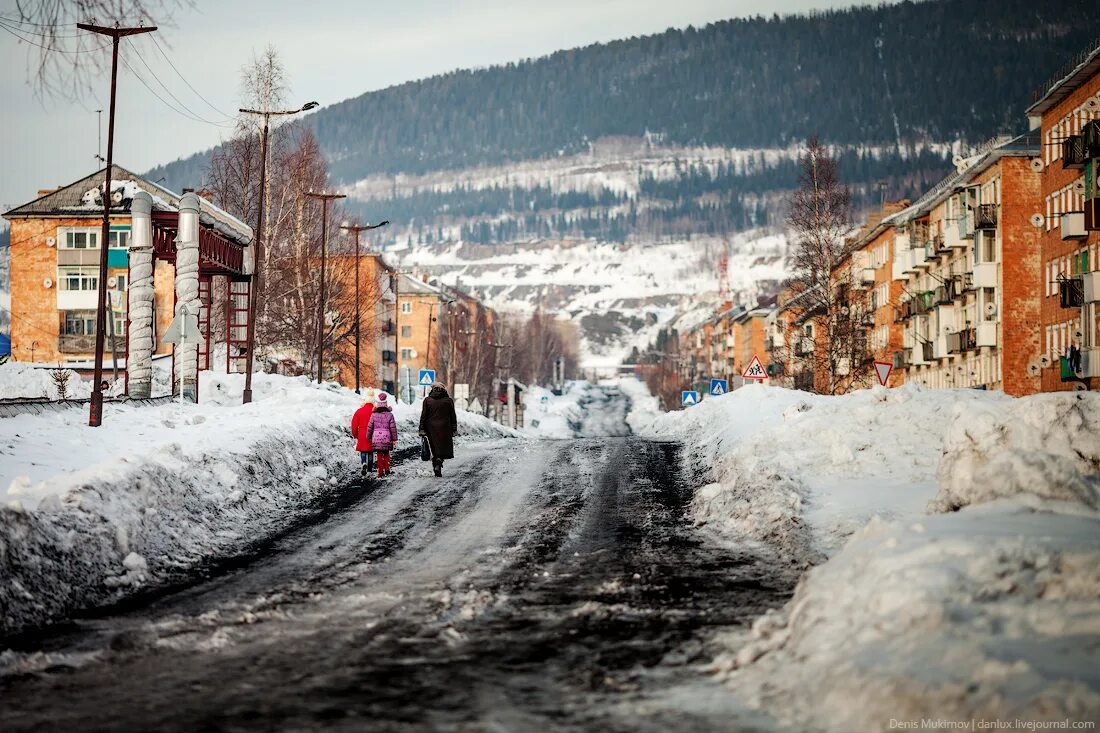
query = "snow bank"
x=1046 y=446
x=988 y=615
x=19 y=380
x=155 y=492
x=801 y=471
x=983 y=615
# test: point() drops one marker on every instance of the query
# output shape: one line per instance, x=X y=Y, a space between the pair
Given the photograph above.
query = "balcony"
x=77 y=344
x=961 y=283
x=986 y=334
x=804 y=347
x=775 y=369
x=921 y=303
x=1073 y=152
x=940 y=347
x=942 y=295
x=1091 y=136
x=903 y=311
x=926 y=352
x=985 y=275
x=866 y=276
x=1090 y=282
x=1071 y=292
x=901 y=359
x=986 y=216
x=940 y=244
x=1073 y=225
x=388 y=357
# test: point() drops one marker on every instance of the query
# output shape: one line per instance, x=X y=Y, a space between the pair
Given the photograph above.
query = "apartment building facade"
x=1067 y=116
x=55 y=255
x=966 y=257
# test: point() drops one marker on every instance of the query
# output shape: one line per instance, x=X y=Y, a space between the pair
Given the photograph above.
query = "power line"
x=50 y=48
x=166 y=103
x=169 y=91
x=181 y=76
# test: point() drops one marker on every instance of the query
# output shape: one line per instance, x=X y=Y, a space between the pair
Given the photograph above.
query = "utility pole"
x=95 y=410
x=355 y=229
x=254 y=290
x=324 y=198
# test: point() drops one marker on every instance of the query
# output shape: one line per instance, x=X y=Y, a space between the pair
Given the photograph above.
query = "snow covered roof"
x=1079 y=70
x=410 y=285
x=82 y=198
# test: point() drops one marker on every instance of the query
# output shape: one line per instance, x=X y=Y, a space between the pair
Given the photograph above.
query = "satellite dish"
x=1080 y=387
x=112 y=281
x=1044 y=361
x=50 y=241
x=1092 y=104
x=991 y=309
x=1037 y=221
x=1036 y=165
x=1033 y=369
x=116 y=196
x=47 y=283
x=1078 y=186
x=958 y=161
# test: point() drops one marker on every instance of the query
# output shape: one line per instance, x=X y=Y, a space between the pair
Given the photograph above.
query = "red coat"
x=359 y=422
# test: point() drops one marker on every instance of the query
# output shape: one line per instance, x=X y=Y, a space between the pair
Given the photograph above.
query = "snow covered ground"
x=92 y=513
x=989 y=613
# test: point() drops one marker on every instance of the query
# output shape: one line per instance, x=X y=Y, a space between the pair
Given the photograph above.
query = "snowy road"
x=548 y=585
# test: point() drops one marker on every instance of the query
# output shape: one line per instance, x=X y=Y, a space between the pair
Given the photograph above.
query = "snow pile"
x=801 y=471
x=155 y=492
x=584 y=409
x=988 y=615
x=983 y=615
x=19 y=380
x=1047 y=446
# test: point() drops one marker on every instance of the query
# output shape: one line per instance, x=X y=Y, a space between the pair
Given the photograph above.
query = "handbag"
x=425 y=449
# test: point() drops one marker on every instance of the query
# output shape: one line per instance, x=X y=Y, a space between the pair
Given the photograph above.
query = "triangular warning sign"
x=882 y=371
x=755 y=370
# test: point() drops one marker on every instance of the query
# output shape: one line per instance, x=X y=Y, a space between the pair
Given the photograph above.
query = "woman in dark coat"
x=439 y=422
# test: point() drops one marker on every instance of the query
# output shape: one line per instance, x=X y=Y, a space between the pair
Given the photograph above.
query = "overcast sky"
x=332 y=50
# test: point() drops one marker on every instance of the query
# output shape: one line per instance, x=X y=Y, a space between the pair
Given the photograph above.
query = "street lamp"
x=254 y=292
x=324 y=199
x=356 y=228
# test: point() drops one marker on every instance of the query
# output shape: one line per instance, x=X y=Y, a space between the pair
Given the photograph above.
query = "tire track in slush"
x=535 y=594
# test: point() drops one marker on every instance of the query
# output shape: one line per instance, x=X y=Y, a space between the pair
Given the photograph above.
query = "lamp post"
x=95 y=409
x=254 y=291
x=324 y=199
x=356 y=228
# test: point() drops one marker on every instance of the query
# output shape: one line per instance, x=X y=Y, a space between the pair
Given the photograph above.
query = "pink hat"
x=381 y=398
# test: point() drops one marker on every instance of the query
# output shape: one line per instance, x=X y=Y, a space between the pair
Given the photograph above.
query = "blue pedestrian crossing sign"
x=689 y=398
x=427 y=376
x=719 y=387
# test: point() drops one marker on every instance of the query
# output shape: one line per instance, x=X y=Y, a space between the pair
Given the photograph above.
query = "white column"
x=139 y=356
x=187 y=291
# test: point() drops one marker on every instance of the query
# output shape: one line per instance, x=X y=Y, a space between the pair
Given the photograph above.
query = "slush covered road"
x=541 y=586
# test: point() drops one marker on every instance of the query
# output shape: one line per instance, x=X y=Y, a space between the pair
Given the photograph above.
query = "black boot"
x=437 y=465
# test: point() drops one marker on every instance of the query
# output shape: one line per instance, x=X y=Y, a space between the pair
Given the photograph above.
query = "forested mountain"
x=939 y=71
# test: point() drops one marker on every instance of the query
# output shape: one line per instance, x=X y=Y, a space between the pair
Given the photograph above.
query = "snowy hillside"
x=618 y=295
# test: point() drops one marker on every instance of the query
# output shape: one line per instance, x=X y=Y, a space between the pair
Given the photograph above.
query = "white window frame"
x=406 y=308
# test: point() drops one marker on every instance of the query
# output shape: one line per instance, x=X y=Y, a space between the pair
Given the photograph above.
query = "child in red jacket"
x=359 y=422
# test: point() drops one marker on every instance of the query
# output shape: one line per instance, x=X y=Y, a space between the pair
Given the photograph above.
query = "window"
x=406 y=307
x=118 y=239
x=79 y=323
x=406 y=354
x=81 y=239
x=406 y=332
x=78 y=278
x=120 y=282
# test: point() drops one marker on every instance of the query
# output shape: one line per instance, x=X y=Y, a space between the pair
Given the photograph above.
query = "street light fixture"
x=356 y=228
x=255 y=290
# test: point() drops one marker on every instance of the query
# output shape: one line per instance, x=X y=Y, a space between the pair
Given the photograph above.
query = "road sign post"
x=883 y=370
x=755 y=370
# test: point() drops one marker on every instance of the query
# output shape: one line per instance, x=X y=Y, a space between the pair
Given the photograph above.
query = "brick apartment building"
x=55 y=251
x=1067 y=116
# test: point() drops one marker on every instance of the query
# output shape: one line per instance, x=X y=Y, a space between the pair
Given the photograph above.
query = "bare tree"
x=825 y=343
x=62 y=60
